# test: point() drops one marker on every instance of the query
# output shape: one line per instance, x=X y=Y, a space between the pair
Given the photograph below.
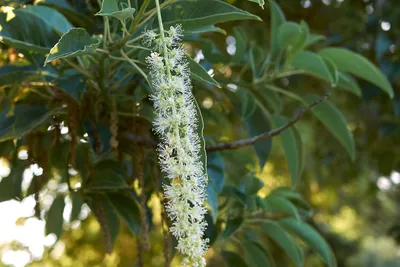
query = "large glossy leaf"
x=25 y=118
x=73 y=84
x=128 y=209
x=274 y=203
x=195 y=14
x=197 y=72
x=12 y=74
x=107 y=175
x=350 y=62
x=190 y=33
x=52 y=17
x=260 y=2
x=58 y=156
x=241 y=44
x=311 y=237
x=215 y=168
x=200 y=134
x=277 y=19
x=258 y=123
x=216 y=177
x=312 y=64
x=279 y=235
x=26 y=31
x=348 y=83
x=69 y=12
x=256 y=59
x=76 y=42
x=111 y=8
x=251 y=184
x=54 y=220
x=335 y=122
x=257 y=256
x=77 y=202
x=107 y=217
x=232 y=225
x=291 y=36
x=293 y=152
x=284 y=192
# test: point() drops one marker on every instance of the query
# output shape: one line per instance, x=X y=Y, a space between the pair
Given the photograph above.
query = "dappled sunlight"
x=347 y=223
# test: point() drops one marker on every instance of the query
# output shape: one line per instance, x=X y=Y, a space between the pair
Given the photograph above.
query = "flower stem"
x=162 y=37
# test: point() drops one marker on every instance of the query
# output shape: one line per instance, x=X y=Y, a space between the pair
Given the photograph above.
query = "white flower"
x=179 y=157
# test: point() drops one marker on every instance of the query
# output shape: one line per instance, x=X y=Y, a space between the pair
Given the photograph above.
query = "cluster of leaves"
x=92 y=79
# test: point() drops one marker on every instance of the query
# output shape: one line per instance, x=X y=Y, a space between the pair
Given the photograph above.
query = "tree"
x=251 y=80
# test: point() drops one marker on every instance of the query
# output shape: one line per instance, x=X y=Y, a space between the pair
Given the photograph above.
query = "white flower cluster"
x=179 y=158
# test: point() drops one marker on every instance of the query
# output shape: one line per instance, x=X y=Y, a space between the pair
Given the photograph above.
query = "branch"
x=266 y=135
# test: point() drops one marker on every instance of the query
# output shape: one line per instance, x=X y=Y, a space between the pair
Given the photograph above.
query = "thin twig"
x=266 y=135
x=235 y=144
x=130 y=61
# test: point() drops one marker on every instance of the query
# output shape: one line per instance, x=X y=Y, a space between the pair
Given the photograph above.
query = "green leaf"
x=11 y=74
x=334 y=121
x=128 y=209
x=285 y=192
x=200 y=134
x=287 y=33
x=215 y=168
x=256 y=57
x=24 y=119
x=73 y=84
x=348 y=83
x=77 y=203
x=251 y=184
x=53 y=18
x=277 y=19
x=59 y=156
x=269 y=99
x=195 y=14
x=278 y=234
x=280 y=204
x=26 y=31
x=232 y=259
x=76 y=42
x=212 y=199
x=260 y=2
x=7 y=149
x=241 y=44
x=69 y=12
x=311 y=237
x=107 y=217
x=110 y=8
x=232 y=225
x=10 y=186
x=313 y=38
x=258 y=123
x=256 y=255
x=54 y=221
x=333 y=70
x=211 y=28
x=211 y=188
x=212 y=53
x=197 y=72
x=348 y=61
x=313 y=64
x=107 y=175
x=292 y=37
x=300 y=148
x=291 y=147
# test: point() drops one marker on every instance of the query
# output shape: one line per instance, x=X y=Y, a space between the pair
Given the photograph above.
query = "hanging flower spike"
x=179 y=158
